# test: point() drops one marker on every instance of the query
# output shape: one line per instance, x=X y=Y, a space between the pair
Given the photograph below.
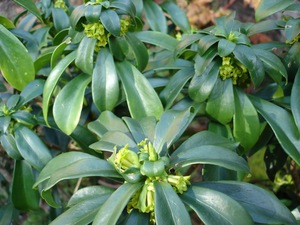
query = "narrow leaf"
x=111 y=21
x=282 y=124
x=68 y=103
x=23 y=196
x=214 y=207
x=85 y=55
x=169 y=209
x=141 y=98
x=52 y=81
x=105 y=82
x=111 y=210
x=225 y=47
x=295 y=99
x=210 y=154
x=30 y=6
x=16 y=64
x=32 y=149
x=246 y=126
x=155 y=16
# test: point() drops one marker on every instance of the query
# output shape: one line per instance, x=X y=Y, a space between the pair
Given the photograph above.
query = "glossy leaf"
x=24 y=117
x=156 y=38
x=73 y=165
x=155 y=16
x=282 y=124
x=118 y=139
x=137 y=218
x=204 y=138
x=85 y=204
x=262 y=26
x=77 y=16
x=6 y=23
x=105 y=82
x=295 y=99
x=9 y=144
x=139 y=51
x=32 y=90
x=169 y=128
x=68 y=103
x=178 y=16
x=112 y=208
x=53 y=80
x=111 y=21
x=202 y=62
x=246 y=126
x=85 y=55
x=141 y=98
x=263 y=206
x=214 y=207
x=23 y=196
x=206 y=42
x=221 y=97
x=272 y=65
x=30 y=6
x=136 y=129
x=187 y=41
x=92 y=13
x=169 y=209
x=32 y=149
x=125 y=6
x=175 y=85
x=6 y=213
x=60 y=19
x=16 y=64
x=201 y=86
x=210 y=154
x=225 y=47
x=254 y=65
x=4 y=123
x=267 y=8
x=292 y=29
x=58 y=51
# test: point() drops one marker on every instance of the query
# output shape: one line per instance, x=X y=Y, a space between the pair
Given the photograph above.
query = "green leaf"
x=85 y=204
x=254 y=65
x=169 y=128
x=53 y=80
x=24 y=117
x=187 y=41
x=136 y=129
x=111 y=210
x=292 y=29
x=105 y=83
x=272 y=64
x=139 y=51
x=295 y=99
x=156 y=38
x=58 y=51
x=169 y=209
x=68 y=103
x=201 y=86
x=6 y=23
x=30 y=6
x=72 y=165
x=246 y=126
x=221 y=97
x=92 y=13
x=85 y=55
x=282 y=124
x=262 y=26
x=175 y=86
x=137 y=218
x=141 y=98
x=202 y=62
x=111 y=21
x=210 y=154
x=214 y=207
x=107 y=121
x=77 y=17
x=225 y=47
x=23 y=196
x=205 y=138
x=60 y=19
x=206 y=42
x=32 y=90
x=16 y=64
x=9 y=144
x=267 y=8
x=263 y=206
x=155 y=16
x=125 y=6
x=32 y=149
x=6 y=213
x=178 y=16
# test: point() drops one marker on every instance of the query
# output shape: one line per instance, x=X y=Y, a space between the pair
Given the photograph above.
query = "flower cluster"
x=60 y=4
x=233 y=69
x=146 y=166
x=97 y=31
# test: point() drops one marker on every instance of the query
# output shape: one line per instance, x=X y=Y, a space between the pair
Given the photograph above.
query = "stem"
x=78 y=184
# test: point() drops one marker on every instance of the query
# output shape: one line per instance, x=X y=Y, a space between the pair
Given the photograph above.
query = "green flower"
x=97 y=31
x=125 y=23
x=60 y=4
x=125 y=159
x=179 y=182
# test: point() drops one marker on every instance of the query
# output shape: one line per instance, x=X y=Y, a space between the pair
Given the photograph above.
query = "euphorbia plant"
x=113 y=77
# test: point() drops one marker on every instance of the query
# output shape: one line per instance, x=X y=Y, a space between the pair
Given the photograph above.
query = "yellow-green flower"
x=97 y=31
x=179 y=182
x=60 y=4
x=125 y=159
